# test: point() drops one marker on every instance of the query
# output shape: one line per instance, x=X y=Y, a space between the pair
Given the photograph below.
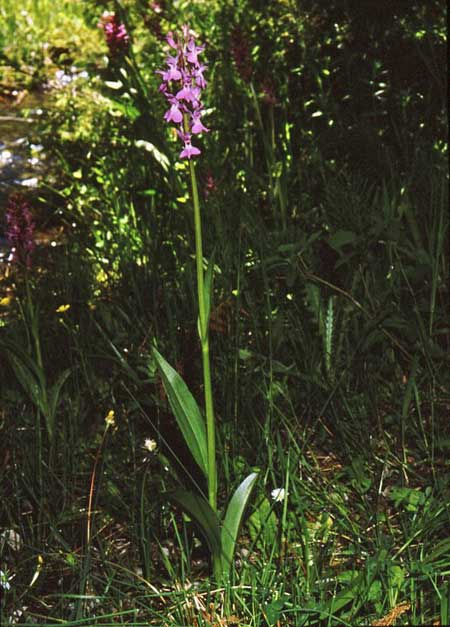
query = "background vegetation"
x=324 y=187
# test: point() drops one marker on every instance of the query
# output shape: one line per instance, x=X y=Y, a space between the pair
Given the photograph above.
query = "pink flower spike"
x=182 y=84
x=20 y=229
x=189 y=150
x=116 y=34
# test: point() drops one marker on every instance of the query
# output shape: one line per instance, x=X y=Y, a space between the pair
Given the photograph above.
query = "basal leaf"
x=186 y=411
x=55 y=391
x=201 y=511
x=233 y=519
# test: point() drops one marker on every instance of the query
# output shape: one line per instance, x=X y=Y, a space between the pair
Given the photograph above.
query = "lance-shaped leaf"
x=207 y=295
x=186 y=411
x=201 y=511
x=233 y=520
x=30 y=383
x=55 y=390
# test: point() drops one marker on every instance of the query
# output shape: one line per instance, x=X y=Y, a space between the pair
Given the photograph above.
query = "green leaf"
x=12 y=348
x=233 y=519
x=273 y=611
x=201 y=511
x=314 y=304
x=375 y=592
x=55 y=392
x=341 y=238
x=186 y=411
x=396 y=576
x=263 y=524
x=118 y=354
x=348 y=595
x=27 y=380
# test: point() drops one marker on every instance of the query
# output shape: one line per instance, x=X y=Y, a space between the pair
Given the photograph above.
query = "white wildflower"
x=4 y=580
x=17 y=615
x=278 y=494
x=150 y=445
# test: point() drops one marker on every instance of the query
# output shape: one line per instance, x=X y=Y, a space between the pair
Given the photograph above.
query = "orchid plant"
x=182 y=83
x=28 y=365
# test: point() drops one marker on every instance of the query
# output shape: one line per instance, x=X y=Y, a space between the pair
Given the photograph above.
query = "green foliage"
x=263 y=525
x=220 y=537
x=199 y=508
x=233 y=519
x=186 y=411
x=37 y=40
x=324 y=185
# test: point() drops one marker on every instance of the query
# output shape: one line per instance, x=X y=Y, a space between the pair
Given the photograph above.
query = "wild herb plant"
x=28 y=364
x=185 y=74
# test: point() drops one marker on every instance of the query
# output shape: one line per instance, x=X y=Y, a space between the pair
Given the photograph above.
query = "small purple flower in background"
x=20 y=229
x=116 y=35
x=210 y=185
x=268 y=90
x=240 y=52
x=152 y=20
x=182 y=85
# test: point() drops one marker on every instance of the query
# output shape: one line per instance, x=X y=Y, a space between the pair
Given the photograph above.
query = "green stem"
x=32 y=321
x=204 y=339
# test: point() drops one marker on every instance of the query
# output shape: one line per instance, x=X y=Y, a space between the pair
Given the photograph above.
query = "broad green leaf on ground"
x=201 y=511
x=186 y=411
x=233 y=518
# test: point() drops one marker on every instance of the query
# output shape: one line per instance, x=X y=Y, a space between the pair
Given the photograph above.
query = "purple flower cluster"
x=183 y=81
x=240 y=51
x=20 y=229
x=116 y=35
